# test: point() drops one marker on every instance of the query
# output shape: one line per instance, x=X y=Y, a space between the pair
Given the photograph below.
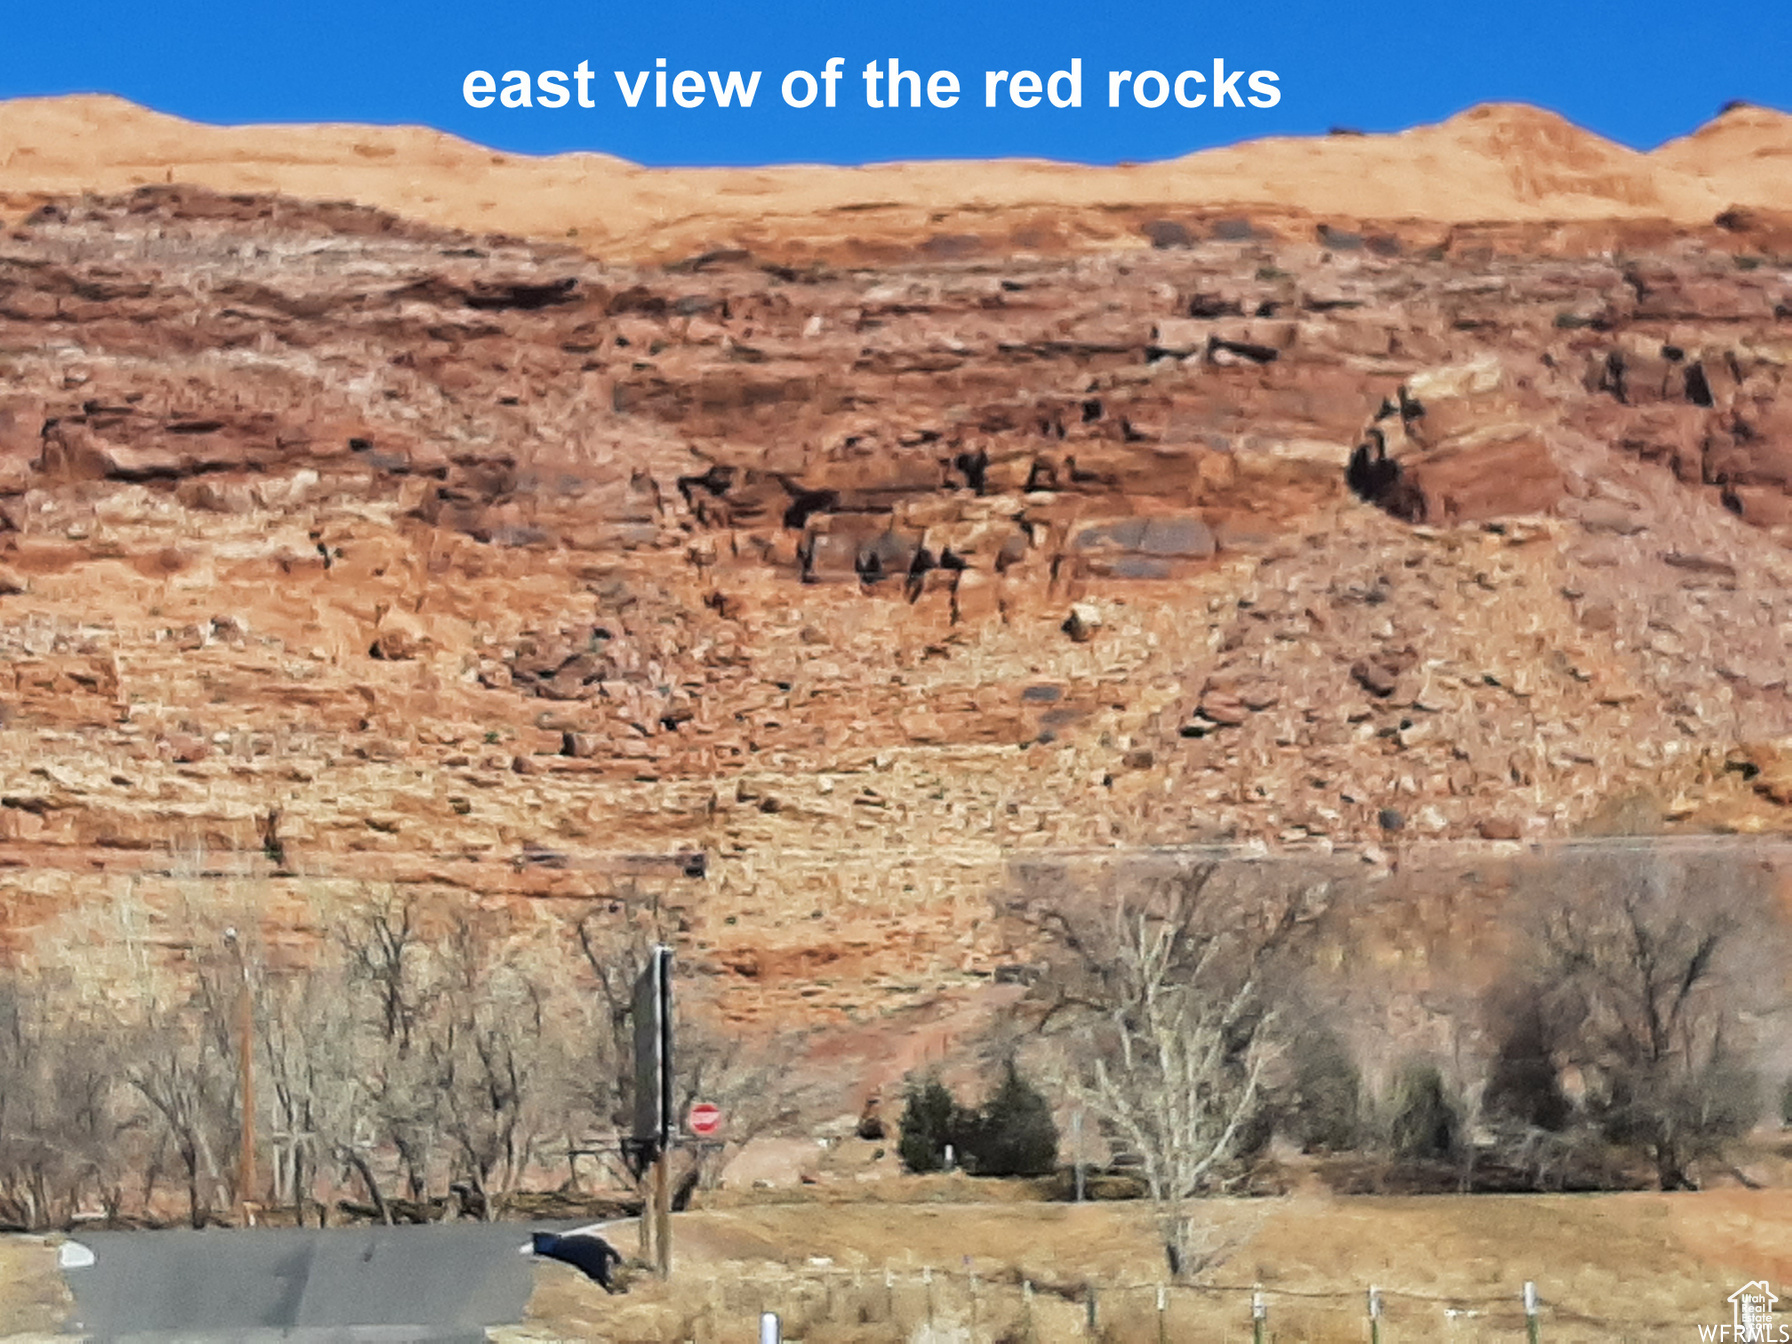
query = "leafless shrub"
x=1322 y=1107
x=1424 y=1123
x=1646 y=968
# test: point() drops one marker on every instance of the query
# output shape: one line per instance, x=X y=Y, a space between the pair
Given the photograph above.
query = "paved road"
x=350 y=1285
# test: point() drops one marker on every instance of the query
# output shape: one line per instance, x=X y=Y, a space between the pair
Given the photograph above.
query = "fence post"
x=1530 y=1312
x=889 y=1295
x=1092 y=1313
x=1163 y=1306
x=1374 y=1315
x=769 y=1331
x=927 y=1281
x=1026 y=1307
x=1259 y=1316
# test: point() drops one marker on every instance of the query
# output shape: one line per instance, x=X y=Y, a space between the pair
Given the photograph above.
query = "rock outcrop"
x=341 y=549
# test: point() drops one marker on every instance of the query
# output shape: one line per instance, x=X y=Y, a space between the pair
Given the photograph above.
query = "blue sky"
x=1640 y=72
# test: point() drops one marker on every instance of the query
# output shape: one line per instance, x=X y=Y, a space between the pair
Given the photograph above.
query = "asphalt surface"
x=349 y=1285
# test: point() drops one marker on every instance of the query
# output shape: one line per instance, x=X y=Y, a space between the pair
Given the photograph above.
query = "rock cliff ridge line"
x=1495 y=162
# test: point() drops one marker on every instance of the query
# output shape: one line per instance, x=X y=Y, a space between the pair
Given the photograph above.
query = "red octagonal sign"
x=705 y=1119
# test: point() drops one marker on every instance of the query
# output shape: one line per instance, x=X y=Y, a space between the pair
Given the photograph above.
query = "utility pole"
x=245 y=1152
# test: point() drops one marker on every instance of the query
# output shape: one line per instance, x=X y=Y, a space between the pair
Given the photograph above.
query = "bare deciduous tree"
x=486 y=1037
x=318 y=1056
x=1162 y=997
x=429 y=1050
x=615 y=938
x=62 y=1130
x=384 y=947
x=176 y=1067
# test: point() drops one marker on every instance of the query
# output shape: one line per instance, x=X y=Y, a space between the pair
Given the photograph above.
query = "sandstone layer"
x=341 y=548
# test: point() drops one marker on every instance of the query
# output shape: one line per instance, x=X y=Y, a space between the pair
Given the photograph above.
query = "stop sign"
x=705 y=1119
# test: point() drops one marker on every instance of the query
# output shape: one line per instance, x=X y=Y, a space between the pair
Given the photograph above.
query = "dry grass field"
x=34 y=1300
x=1609 y=1267
x=1637 y=1267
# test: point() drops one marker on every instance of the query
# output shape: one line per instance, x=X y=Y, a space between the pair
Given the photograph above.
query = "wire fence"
x=959 y=1306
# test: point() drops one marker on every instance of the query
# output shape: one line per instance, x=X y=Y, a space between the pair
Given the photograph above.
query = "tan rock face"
x=1514 y=173
x=804 y=597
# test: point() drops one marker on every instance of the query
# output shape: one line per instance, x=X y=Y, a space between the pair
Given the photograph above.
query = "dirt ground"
x=1608 y=1267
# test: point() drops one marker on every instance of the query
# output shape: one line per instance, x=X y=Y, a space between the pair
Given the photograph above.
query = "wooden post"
x=662 y=1212
x=1374 y=1315
x=1163 y=1307
x=1259 y=1317
x=245 y=1155
x=1531 y=1331
x=1092 y=1313
x=1026 y=1306
x=1076 y=1149
x=647 y=1219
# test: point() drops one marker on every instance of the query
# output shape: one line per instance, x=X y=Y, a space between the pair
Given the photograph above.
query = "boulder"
x=398 y=637
x=1166 y=546
x=1455 y=445
x=1082 y=622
